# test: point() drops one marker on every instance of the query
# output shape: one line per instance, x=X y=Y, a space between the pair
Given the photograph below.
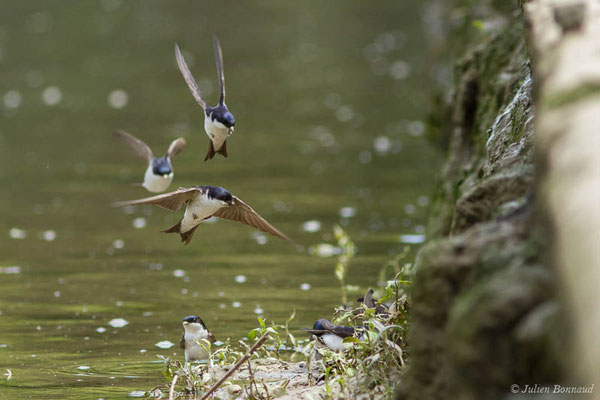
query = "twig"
x=172 y=390
x=256 y=346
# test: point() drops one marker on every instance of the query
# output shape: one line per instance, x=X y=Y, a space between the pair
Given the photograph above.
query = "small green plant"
x=347 y=251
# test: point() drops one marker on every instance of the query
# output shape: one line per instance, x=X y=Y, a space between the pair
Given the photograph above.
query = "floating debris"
x=49 y=235
x=137 y=393
x=118 y=244
x=118 y=322
x=399 y=70
x=236 y=304
x=409 y=209
x=83 y=367
x=118 y=98
x=258 y=310
x=51 y=96
x=423 y=201
x=240 y=278
x=139 y=223
x=165 y=344
x=101 y=329
x=260 y=238
x=305 y=286
x=10 y=270
x=12 y=99
x=16 y=233
x=179 y=273
x=311 y=226
x=347 y=212
x=416 y=128
x=382 y=144
x=57 y=294
x=344 y=113
x=412 y=239
x=325 y=250
x=143 y=350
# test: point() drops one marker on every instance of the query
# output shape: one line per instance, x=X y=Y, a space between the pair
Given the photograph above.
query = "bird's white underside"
x=334 y=342
x=193 y=334
x=199 y=208
x=156 y=183
x=216 y=131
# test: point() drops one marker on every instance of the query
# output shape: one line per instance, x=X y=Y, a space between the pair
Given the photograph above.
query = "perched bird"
x=159 y=173
x=218 y=120
x=203 y=202
x=331 y=335
x=194 y=331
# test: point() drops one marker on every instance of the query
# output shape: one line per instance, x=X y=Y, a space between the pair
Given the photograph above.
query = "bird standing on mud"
x=194 y=331
x=218 y=120
x=203 y=202
x=159 y=173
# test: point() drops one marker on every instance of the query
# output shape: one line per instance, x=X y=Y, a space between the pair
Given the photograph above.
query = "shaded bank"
x=485 y=312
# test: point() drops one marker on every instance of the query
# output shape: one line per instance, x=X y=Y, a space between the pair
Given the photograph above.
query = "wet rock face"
x=483 y=302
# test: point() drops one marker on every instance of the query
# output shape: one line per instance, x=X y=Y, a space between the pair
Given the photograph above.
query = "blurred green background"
x=329 y=98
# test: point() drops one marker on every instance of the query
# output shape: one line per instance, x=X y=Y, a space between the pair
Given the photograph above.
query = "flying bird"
x=330 y=335
x=159 y=173
x=194 y=331
x=203 y=202
x=218 y=120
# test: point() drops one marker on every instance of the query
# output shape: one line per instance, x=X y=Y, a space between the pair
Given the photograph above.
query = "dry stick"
x=172 y=390
x=237 y=365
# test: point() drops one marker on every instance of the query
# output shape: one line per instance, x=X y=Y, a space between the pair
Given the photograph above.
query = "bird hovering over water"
x=203 y=202
x=159 y=173
x=194 y=331
x=218 y=120
x=330 y=335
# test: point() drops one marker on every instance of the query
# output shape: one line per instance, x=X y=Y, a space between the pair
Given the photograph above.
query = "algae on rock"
x=483 y=302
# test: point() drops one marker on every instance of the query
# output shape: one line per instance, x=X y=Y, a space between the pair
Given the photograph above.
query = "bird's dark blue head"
x=219 y=193
x=194 y=319
x=222 y=114
x=318 y=326
x=162 y=166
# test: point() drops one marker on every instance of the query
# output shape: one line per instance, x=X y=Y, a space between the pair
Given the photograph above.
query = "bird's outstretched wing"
x=176 y=147
x=219 y=60
x=140 y=148
x=189 y=79
x=243 y=213
x=171 y=201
